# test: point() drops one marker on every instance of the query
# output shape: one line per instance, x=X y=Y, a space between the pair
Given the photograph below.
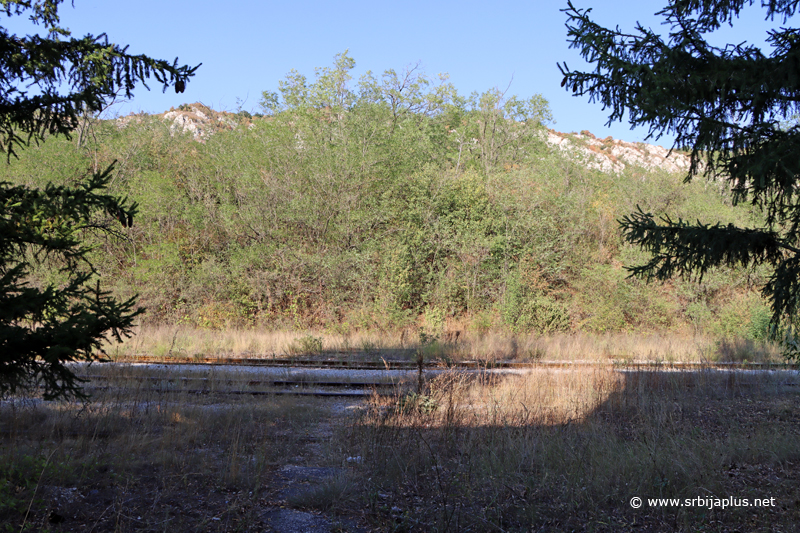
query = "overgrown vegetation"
x=549 y=450
x=567 y=451
x=134 y=459
x=389 y=204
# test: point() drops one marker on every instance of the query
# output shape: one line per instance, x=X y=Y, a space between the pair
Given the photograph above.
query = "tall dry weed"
x=452 y=345
x=561 y=447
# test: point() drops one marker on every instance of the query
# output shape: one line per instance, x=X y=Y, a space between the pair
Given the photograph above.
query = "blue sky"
x=246 y=47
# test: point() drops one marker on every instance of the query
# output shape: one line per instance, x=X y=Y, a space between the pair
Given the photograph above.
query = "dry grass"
x=181 y=341
x=585 y=346
x=132 y=459
x=566 y=451
x=546 y=450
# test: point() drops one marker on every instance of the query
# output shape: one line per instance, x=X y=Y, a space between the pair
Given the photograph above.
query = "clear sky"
x=246 y=47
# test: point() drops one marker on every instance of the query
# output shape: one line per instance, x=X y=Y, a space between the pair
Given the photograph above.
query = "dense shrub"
x=384 y=208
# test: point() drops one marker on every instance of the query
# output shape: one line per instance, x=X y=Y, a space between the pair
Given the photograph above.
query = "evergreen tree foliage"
x=47 y=82
x=730 y=105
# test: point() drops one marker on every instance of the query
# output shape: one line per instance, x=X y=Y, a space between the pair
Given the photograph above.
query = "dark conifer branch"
x=44 y=329
x=730 y=105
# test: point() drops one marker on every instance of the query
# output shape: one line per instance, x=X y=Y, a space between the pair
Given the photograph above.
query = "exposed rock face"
x=613 y=155
x=199 y=120
x=183 y=122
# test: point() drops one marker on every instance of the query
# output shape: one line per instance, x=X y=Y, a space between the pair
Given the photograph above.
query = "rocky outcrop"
x=200 y=120
x=613 y=155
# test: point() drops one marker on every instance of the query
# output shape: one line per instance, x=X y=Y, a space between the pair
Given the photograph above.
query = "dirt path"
x=311 y=479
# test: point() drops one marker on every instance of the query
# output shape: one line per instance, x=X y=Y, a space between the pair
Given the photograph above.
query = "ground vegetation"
x=550 y=450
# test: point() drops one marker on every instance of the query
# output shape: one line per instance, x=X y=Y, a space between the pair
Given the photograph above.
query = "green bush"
x=538 y=314
x=306 y=345
x=525 y=308
x=759 y=327
x=417 y=403
x=434 y=320
x=482 y=322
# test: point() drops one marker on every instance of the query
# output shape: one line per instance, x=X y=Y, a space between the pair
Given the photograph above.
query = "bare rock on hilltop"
x=613 y=155
x=199 y=120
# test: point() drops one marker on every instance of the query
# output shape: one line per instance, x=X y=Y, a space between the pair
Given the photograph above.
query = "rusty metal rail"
x=219 y=392
x=356 y=389
x=217 y=386
x=248 y=382
x=623 y=363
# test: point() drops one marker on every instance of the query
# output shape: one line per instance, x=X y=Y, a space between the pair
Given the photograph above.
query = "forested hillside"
x=383 y=203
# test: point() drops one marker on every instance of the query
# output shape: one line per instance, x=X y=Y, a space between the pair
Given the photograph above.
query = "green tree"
x=48 y=83
x=503 y=128
x=730 y=105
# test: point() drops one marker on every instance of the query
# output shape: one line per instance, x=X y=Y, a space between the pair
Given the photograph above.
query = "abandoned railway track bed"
x=387 y=364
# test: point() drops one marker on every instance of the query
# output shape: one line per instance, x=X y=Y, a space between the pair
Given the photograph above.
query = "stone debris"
x=199 y=120
x=292 y=521
x=184 y=122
